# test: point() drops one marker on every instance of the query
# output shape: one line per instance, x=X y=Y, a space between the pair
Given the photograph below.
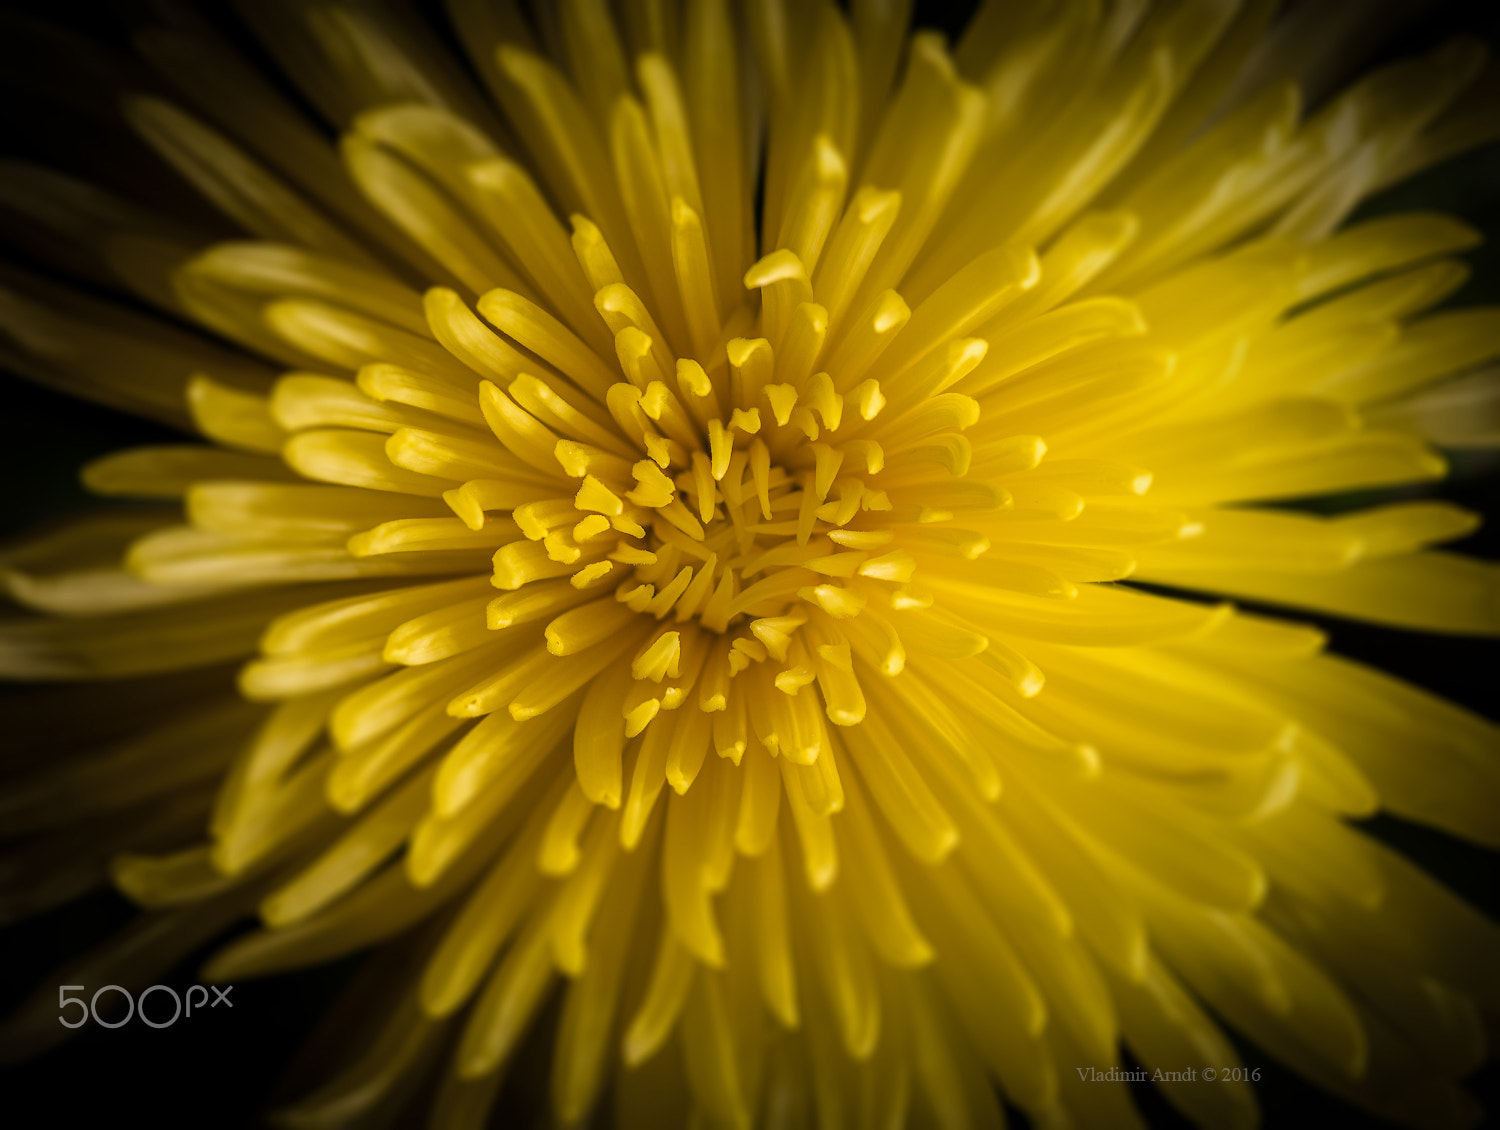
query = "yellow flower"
x=676 y=506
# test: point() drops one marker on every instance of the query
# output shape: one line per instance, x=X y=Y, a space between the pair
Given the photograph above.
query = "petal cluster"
x=679 y=523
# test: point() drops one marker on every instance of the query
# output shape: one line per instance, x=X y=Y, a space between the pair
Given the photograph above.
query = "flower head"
x=673 y=510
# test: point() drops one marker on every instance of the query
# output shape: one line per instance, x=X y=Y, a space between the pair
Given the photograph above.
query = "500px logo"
x=137 y=1004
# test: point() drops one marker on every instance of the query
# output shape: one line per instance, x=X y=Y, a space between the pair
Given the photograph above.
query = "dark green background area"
x=218 y=1070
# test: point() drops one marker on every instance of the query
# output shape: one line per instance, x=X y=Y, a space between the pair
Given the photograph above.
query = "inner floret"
x=731 y=511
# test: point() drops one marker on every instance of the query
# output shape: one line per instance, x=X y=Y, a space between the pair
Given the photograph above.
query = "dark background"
x=218 y=1069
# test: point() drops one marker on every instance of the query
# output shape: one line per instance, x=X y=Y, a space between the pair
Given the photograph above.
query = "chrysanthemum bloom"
x=668 y=521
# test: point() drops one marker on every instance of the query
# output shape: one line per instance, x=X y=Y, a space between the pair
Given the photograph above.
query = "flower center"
x=728 y=515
